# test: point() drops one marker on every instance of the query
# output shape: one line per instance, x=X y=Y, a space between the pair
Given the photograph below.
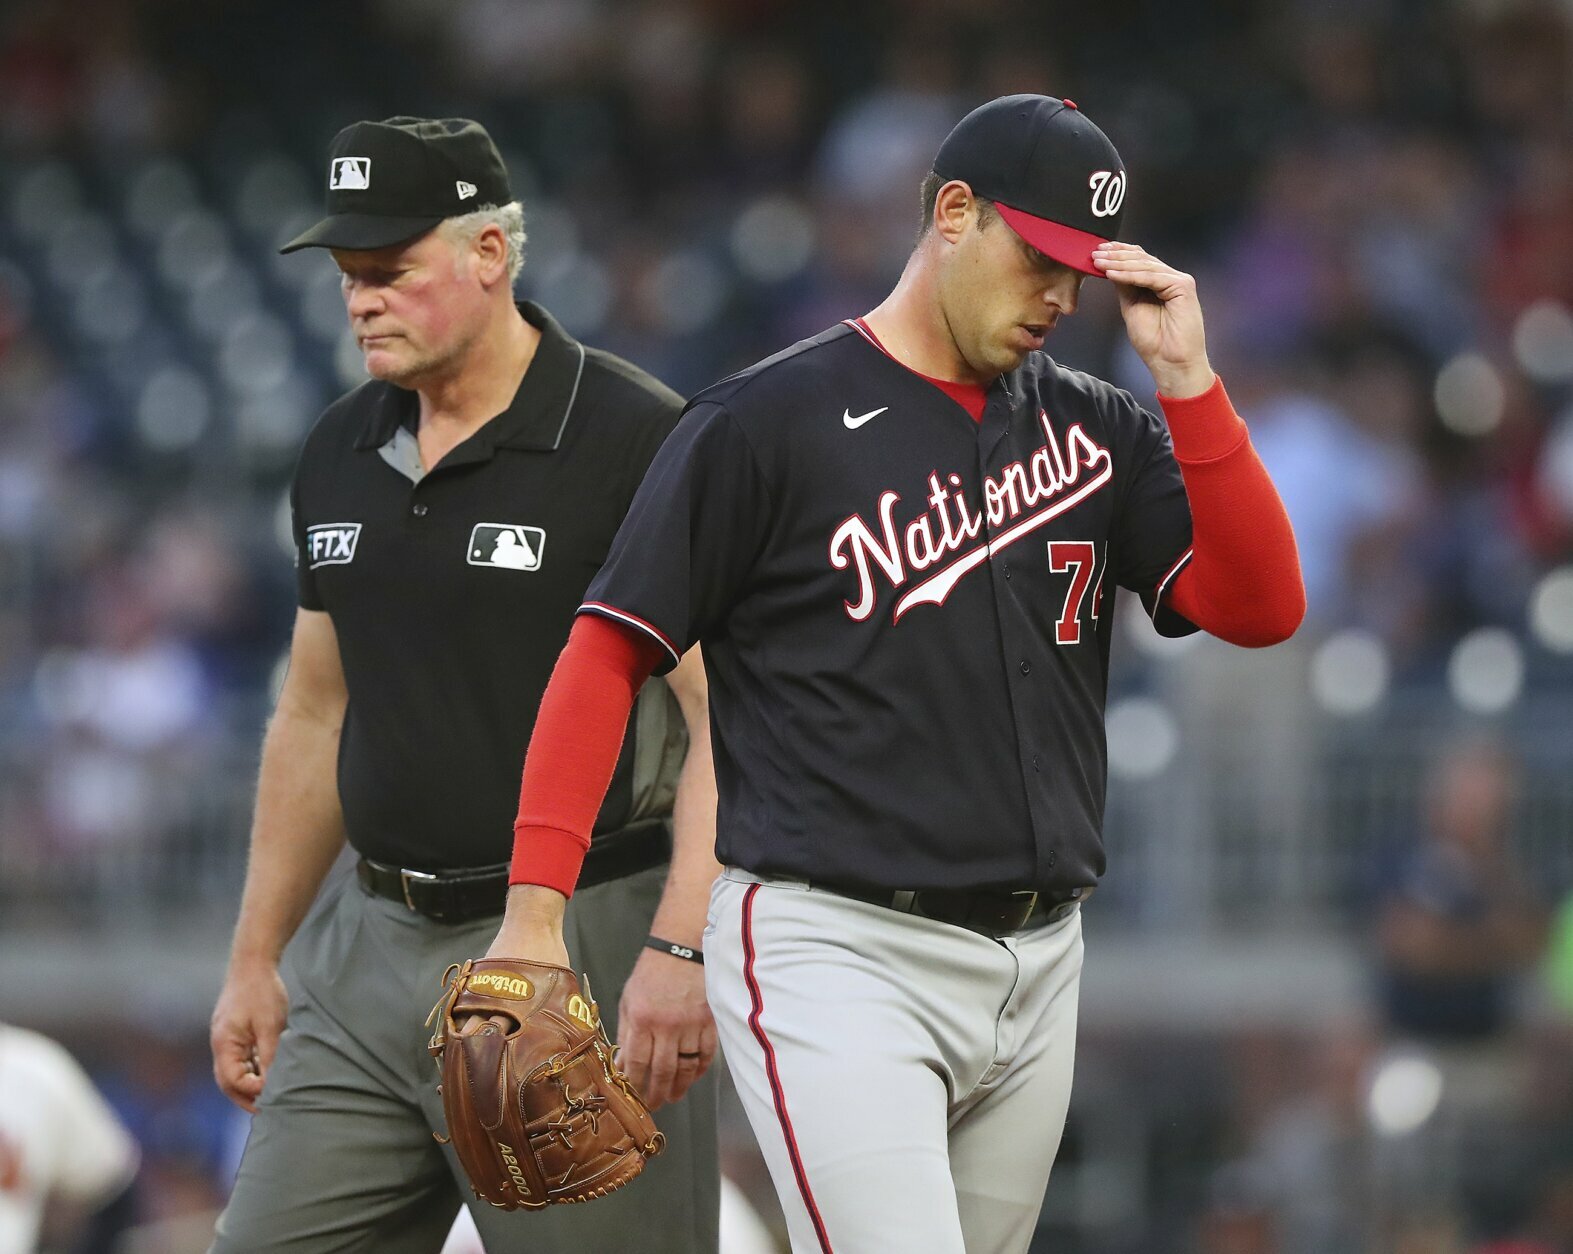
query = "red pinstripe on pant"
x=771 y=1071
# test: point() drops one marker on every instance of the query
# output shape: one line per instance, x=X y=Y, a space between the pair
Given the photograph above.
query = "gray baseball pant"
x=907 y=1079
x=341 y=1157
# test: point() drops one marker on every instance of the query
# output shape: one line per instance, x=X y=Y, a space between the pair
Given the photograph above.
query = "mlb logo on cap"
x=350 y=174
x=428 y=169
x=506 y=545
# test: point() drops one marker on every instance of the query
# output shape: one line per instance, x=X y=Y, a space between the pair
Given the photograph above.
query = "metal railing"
x=1234 y=834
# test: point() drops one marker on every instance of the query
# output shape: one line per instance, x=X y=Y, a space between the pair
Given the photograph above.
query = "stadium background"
x=1377 y=199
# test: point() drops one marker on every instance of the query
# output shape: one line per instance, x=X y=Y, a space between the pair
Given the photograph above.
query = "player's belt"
x=458 y=896
x=992 y=913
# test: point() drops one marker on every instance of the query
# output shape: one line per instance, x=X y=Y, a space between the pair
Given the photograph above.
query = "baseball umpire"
x=449 y=514
x=901 y=542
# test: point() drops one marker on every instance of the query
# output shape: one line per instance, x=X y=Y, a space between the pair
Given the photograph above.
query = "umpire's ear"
x=488 y=257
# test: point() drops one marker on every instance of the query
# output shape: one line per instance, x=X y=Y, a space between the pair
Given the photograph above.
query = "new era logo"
x=507 y=545
x=331 y=544
x=466 y=190
x=350 y=174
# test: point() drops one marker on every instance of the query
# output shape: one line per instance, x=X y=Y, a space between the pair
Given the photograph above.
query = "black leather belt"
x=458 y=896
x=992 y=913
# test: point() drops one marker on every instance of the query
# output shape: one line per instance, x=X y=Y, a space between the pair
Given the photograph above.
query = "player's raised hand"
x=1163 y=317
x=665 y=1032
x=244 y=1032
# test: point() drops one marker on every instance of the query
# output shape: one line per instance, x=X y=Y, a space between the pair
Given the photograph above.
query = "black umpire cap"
x=1053 y=175
x=394 y=180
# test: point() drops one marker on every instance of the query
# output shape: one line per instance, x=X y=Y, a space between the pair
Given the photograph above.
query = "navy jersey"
x=906 y=614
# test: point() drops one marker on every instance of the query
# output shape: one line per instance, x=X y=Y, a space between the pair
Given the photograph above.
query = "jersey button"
x=1007 y=569
x=420 y=509
x=1026 y=667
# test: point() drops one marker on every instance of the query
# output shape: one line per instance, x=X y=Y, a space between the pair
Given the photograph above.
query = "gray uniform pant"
x=341 y=1157
x=907 y=1080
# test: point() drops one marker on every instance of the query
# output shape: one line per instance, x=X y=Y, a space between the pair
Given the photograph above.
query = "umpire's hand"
x=245 y=1030
x=665 y=1033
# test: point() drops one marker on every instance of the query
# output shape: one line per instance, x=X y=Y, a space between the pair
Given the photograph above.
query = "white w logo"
x=1108 y=192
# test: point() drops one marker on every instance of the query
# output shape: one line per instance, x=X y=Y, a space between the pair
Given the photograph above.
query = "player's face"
x=1002 y=297
x=414 y=308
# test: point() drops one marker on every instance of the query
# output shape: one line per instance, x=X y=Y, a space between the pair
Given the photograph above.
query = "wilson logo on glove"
x=500 y=985
x=583 y=1011
x=538 y=1112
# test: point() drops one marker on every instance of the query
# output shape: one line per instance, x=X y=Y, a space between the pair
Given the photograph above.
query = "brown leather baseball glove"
x=538 y=1112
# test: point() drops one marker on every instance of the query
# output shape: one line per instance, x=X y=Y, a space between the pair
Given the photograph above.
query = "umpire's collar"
x=535 y=420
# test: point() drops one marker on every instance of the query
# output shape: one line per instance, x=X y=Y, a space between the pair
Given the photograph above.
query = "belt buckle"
x=1026 y=900
x=407 y=877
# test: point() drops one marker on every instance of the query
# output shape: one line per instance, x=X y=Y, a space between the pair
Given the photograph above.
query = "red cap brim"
x=1065 y=244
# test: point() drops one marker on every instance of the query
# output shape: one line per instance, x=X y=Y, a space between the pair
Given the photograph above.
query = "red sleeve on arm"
x=573 y=751
x=1243 y=582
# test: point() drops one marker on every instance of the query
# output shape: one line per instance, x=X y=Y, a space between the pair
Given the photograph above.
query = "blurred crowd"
x=1377 y=199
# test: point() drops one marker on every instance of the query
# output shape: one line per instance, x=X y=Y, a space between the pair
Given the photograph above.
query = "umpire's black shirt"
x=452 y=592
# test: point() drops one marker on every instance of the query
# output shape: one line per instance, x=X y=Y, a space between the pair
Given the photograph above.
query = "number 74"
x=1078 y=557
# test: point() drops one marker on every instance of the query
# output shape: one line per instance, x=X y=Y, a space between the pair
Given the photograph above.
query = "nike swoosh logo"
x=852 y=424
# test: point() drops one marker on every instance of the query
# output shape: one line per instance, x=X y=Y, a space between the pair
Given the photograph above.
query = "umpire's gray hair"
x=464 y=227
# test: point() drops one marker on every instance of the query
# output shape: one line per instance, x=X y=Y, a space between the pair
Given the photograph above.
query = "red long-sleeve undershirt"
x=573 y=750
x=1242 y=584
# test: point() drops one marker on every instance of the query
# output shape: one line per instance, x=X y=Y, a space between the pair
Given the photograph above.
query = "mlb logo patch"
x=350 y=174
x=331 y=544
x=508 y=545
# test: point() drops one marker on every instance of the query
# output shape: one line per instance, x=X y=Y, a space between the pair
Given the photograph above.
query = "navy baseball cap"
x=1054 y=176
x=394 y=180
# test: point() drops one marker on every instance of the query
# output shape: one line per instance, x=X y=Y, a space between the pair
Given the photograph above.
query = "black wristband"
x=676 y=950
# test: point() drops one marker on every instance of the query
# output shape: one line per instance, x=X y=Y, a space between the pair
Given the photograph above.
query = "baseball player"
x=59 y=1140
x=448 y=515
x=901 y=542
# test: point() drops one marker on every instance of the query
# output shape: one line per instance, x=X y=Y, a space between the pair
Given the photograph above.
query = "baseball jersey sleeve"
x=691 y=537
x=1152 y=541
x=77 y=1147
